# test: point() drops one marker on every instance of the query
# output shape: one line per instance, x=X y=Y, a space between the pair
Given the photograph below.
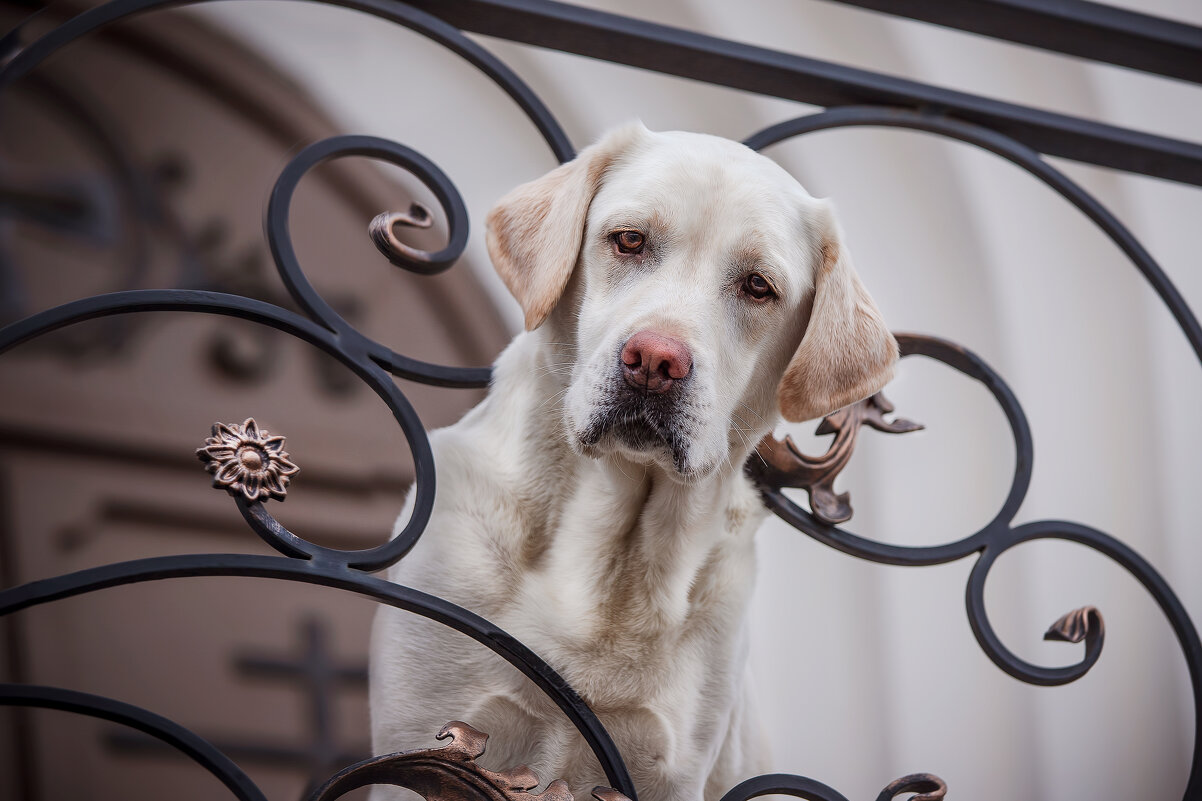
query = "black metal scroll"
x=373 y=363
x=999 y=535
x=376 y=364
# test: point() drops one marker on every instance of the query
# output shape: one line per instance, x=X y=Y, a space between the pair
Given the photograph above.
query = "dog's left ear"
x=534 y=233
x=846 y=353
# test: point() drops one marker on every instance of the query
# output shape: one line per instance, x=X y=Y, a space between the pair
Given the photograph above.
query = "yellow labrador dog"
x=681 y=294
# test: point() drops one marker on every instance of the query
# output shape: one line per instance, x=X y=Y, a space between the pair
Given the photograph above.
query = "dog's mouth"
x=639 y=424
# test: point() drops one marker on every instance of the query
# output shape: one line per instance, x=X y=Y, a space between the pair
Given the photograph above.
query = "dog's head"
x=698 y=290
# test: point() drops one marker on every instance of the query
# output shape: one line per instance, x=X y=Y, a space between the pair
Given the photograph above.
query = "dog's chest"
x=656 y=648
x=635 y=594
x=635 y=602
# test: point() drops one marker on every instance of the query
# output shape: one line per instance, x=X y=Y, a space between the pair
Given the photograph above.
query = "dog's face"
x=696 y=289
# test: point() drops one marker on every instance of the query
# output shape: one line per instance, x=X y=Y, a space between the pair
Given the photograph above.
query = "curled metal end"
x=247 y=460
x=450 y=773
x=782 y=464
x=929 y=786
x=467 y=744
x=465 y=741
x=1080 y=624
x=383 y=233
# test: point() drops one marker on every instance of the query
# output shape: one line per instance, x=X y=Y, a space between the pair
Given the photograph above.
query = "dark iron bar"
x=170 y=733
x=1094 y=31
x=661 y=48
x=326 y=574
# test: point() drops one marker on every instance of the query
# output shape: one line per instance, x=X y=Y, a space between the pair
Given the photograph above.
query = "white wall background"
x=869 y=672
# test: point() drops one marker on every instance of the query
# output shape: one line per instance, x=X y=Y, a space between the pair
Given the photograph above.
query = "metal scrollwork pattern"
x=253 y=467
x=372 y=362
x=1000 y=535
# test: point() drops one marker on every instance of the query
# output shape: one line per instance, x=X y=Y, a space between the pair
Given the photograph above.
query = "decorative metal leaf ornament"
x=782 y=464
x=450 y=773
x=247 y=460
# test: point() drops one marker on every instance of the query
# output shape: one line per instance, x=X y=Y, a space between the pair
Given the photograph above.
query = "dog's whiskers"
x=556 y=368
x=557 y=396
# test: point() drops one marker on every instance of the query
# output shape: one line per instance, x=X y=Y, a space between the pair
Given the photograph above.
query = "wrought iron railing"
x=252 y=466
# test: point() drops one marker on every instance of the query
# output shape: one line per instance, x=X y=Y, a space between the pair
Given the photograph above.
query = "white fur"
x=629 y=570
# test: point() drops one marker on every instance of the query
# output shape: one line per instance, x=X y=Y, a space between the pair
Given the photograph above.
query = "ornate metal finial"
x=1077 y=625
x=247 y=460
x=929 y=786
x=383 y=234
x=450 y=773
x=782 y=464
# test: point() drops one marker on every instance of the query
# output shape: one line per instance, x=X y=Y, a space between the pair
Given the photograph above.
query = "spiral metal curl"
x=970 y=364
x=1000 y=534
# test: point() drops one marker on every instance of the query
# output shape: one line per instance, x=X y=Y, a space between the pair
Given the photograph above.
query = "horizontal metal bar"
x=673 y=51
x=1094 y=31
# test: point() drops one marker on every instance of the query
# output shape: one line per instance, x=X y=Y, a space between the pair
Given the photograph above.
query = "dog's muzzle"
x=645 y=401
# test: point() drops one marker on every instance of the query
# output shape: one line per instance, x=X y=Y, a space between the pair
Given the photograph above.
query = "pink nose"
x=652 y=361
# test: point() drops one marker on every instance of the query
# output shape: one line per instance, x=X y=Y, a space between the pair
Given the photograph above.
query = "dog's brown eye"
x=756 y=287
x=629 y=241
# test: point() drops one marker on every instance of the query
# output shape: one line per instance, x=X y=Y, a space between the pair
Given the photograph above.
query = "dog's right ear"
x=847 y=352
x=535 y=232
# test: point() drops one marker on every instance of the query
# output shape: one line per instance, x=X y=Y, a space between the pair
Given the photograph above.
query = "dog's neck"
x=628 y=541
